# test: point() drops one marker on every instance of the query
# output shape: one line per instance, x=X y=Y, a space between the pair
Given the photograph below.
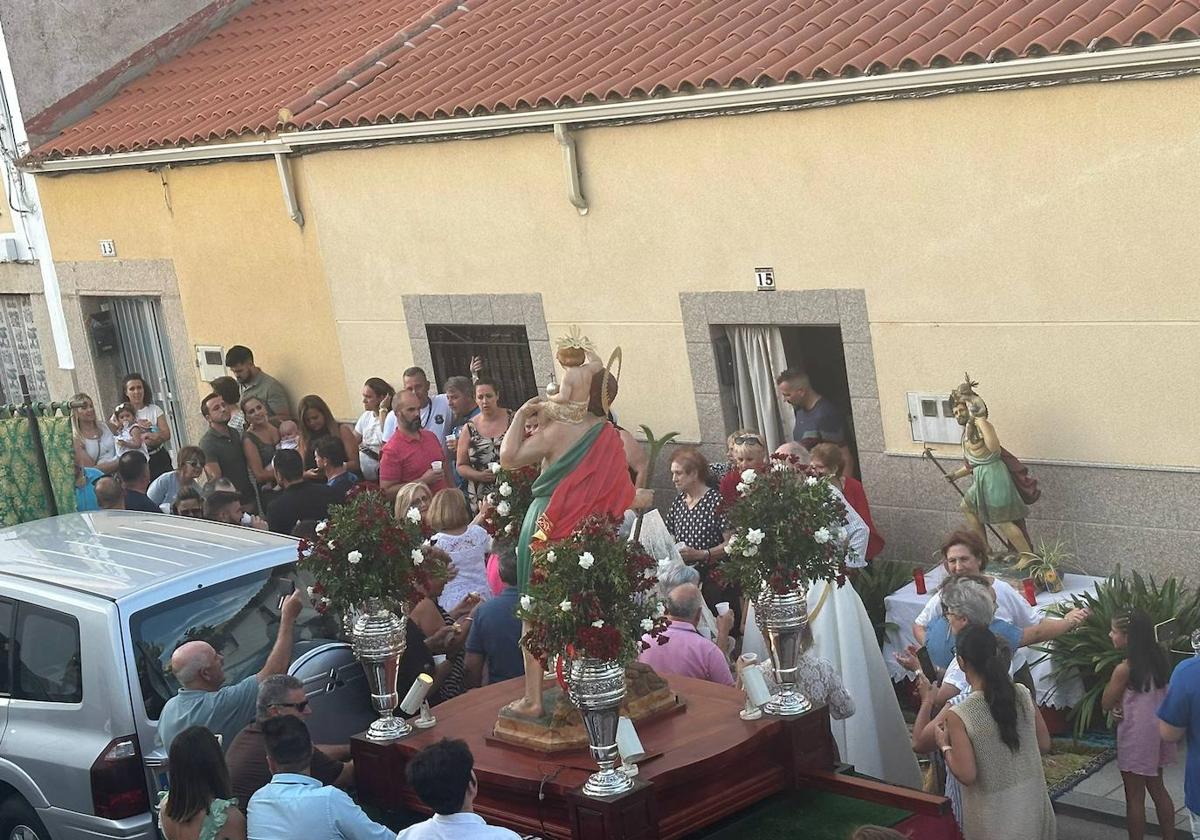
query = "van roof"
x=115 y=553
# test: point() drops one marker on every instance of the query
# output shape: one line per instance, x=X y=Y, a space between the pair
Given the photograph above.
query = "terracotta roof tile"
x=354 y=62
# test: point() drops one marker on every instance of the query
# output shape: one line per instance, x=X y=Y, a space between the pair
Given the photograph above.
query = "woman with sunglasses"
x=749 y=453
x=166 y=487
x=188 y=503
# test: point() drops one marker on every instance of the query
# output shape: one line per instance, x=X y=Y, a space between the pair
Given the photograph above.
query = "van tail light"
x=119 y=781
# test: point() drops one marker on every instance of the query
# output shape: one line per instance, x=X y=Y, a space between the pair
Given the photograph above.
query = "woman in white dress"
x=877 y=743
x=377 y=402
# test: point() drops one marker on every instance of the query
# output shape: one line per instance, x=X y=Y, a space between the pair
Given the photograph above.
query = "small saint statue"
x=994 y=497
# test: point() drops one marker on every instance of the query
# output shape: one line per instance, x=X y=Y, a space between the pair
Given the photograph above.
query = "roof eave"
x=1125 y=61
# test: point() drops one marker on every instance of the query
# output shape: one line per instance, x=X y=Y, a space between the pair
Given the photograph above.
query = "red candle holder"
x=1030 y=591
x=919 y=580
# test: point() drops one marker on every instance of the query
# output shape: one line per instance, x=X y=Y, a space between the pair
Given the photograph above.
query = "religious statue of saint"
x=993 y=497
x=584 y=470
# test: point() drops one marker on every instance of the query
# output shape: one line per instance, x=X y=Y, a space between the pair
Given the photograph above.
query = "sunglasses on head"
x=196 y=465
x=740 y=439
x=302 y=706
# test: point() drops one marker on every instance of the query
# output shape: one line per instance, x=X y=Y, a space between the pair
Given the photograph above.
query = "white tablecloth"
x=1056 y=691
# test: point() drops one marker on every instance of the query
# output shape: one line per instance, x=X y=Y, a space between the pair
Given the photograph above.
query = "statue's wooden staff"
x=656 y=446
x=928 y=453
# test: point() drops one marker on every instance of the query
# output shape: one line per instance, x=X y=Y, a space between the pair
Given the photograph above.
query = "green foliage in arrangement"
x=1089 y=651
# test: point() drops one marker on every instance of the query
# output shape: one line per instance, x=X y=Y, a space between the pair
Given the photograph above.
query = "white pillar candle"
x=416 y=695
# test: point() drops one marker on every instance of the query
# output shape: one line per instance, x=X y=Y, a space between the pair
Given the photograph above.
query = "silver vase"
x=379 y=640
x=783 y=618
x=597 y=687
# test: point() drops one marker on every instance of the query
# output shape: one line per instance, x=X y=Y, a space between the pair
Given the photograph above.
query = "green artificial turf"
x=811 y=815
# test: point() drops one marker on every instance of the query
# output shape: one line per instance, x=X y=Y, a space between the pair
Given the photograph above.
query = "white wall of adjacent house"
x=29 y=240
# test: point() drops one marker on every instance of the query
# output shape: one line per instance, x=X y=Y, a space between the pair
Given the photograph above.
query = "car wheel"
x=19 y=822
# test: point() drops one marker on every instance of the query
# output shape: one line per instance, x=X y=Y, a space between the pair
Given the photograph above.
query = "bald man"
x=688 y=653
x=110 y=495
x=796 y=451
x=413 y=453
x=205 y=700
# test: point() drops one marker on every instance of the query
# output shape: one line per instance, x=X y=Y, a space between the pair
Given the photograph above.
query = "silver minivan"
x=91 y=607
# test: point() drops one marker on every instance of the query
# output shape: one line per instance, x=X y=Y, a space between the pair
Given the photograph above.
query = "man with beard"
x=413 y=452
x=993 y=498
x=255 y=383
x=222 y=447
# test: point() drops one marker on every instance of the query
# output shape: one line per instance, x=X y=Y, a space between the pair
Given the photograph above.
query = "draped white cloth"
x=875 y=740
x=757 y=356
x=659 y=544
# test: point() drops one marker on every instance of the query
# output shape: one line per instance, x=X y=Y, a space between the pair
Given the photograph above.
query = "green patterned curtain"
x=23 y=492
x=59 y=444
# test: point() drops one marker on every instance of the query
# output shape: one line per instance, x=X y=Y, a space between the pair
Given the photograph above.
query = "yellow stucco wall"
x=247 y=274
x=1041 y=239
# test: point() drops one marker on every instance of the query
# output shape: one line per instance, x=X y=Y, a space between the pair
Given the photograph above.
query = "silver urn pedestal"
x=597 y=688
x=783 y=619
x=378 y=637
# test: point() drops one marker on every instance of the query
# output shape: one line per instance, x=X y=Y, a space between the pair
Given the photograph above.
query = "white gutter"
x=1160 y=58
x=32 y=220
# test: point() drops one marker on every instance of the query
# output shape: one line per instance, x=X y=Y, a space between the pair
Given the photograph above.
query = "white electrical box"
x=932 y=418
x=10 y=249
x=211 y=361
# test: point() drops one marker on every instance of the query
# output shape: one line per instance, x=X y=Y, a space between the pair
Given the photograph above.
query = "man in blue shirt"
x=495 y=638
x=205 y=700
x=294 y=804
x=817 y=419
x=1179 y=715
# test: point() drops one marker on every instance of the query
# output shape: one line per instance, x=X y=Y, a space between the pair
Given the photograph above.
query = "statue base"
x=560 y=728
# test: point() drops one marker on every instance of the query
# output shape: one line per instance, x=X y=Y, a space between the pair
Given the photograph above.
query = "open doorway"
x=748 y=359
x=127 y=336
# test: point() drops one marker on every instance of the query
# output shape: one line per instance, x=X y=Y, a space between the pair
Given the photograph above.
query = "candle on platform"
x=919 y=580
x=411 y=703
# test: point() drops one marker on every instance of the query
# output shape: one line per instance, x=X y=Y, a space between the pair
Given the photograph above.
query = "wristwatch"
x=946 y=748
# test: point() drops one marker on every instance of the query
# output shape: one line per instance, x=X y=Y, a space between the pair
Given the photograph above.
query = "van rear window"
x=239 y=618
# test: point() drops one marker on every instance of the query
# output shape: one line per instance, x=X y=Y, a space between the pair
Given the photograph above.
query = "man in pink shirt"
x=413 y=452
x=686 y=652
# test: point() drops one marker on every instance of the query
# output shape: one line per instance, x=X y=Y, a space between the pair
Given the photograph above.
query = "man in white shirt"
x=443 y=775
x=436 y=414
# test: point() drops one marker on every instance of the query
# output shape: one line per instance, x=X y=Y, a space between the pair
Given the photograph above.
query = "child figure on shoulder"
x=577 y=355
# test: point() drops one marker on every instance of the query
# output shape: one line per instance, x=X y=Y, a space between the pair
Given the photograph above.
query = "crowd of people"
x=241 y=761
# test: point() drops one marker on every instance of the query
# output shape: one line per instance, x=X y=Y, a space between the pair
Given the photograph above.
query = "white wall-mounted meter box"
x=210 y=359
x=931 y=417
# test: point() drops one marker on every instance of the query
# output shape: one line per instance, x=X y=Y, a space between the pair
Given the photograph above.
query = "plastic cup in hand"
x=919 y=580
x=436 y=466
x=722 y=608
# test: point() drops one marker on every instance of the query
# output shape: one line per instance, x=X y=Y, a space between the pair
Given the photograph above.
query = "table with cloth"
x=1053 y=690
